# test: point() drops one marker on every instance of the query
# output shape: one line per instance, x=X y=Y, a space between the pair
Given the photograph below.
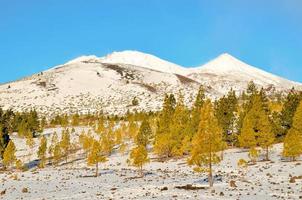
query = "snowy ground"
x=266 y=180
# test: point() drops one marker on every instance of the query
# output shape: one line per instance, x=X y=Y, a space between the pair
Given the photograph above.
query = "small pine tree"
x=42 y=152
x=54 y=141
x=134 y=101
x=95 y=155
x=163 y=143
x=195 y=114
x=266 y=137
x=30 y=143
x=4 y=140
x=9 y=157
x=57 y=155
x=144 y=134
x=253 y=154
x=293 y=141
x=85 y=140
x=207 y=142
x=19 y=165
x=108 y=140
x=65 y=144
x=139 y=157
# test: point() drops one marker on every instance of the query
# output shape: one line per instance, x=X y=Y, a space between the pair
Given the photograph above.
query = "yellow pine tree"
x=42 y=152
x=179 y=135
x=108 y=140
x=144 y=134
x=9 y=157
x=19 y=165
x=54 y=141
x=253 y=154
x=95 y=155
x=207 y=142
x=256 y=129
x=139 y=157
x=292 y=146
x=84 y=141
x=247 y=138
x=100 y=127
x=163 y=141
x=65 y=144
x=266 y=136
x=57 y=155
x=30 y=143
x=132 y=128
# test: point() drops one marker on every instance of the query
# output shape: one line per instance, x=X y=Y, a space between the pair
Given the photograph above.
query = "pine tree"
x=54 y=141
x=225 y=111
x=95 y=155
x=57 y=155
x=132 y=128
x=144 y=134
x=253 y=154
x=247 y=99
x=118 y=136
x=108 y=139
x=43 y=123
x=290 y=105
x=100 y=128
x=163 y=143
x=75 y=121
x=65 y=144
x=247 y=138
x=42 y=152
x=30 y=143
x=256 y=128
x=266 y=137
x=85 y=140
x=9 y=157
x=139 y=157
x=195 y=116
x=4 y=140
x=179 y=135
x=293 y=141
x=207 y=142
x=19 y=165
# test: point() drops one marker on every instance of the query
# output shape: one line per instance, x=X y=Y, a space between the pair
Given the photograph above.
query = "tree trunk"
x=141 y=171
x=210 y=177
x=96 y=169
x=266 y=155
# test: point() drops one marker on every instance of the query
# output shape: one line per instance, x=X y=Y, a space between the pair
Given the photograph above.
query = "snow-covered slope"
x=143 y=60
x=226 y=71
x=90 y=83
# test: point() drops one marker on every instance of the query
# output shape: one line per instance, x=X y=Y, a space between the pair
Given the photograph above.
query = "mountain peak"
x=226 y=63
x=143 y=60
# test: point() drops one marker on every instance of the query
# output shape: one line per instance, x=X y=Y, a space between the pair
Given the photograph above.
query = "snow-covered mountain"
x=226 y=71
x=110 y=83
x=143 y=60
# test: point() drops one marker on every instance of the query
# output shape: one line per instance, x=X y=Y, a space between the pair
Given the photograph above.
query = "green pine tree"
x=42 y=152
x=293 y=141
x=207 y=142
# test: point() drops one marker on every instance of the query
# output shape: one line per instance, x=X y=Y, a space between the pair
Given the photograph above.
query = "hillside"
x=110 y=83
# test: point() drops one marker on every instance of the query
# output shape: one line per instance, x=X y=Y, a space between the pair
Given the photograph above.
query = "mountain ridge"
x=90 y=83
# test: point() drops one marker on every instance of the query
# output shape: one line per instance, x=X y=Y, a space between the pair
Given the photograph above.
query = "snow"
x=117 y=180
x=91 y=84
x=144 y=60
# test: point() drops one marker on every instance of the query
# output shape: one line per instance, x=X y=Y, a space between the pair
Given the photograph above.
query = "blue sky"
x=35 y=34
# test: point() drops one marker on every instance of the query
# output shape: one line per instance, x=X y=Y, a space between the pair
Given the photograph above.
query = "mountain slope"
x=225 y=72
x=110 y=83
x=143 y=60
x=87 y=85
